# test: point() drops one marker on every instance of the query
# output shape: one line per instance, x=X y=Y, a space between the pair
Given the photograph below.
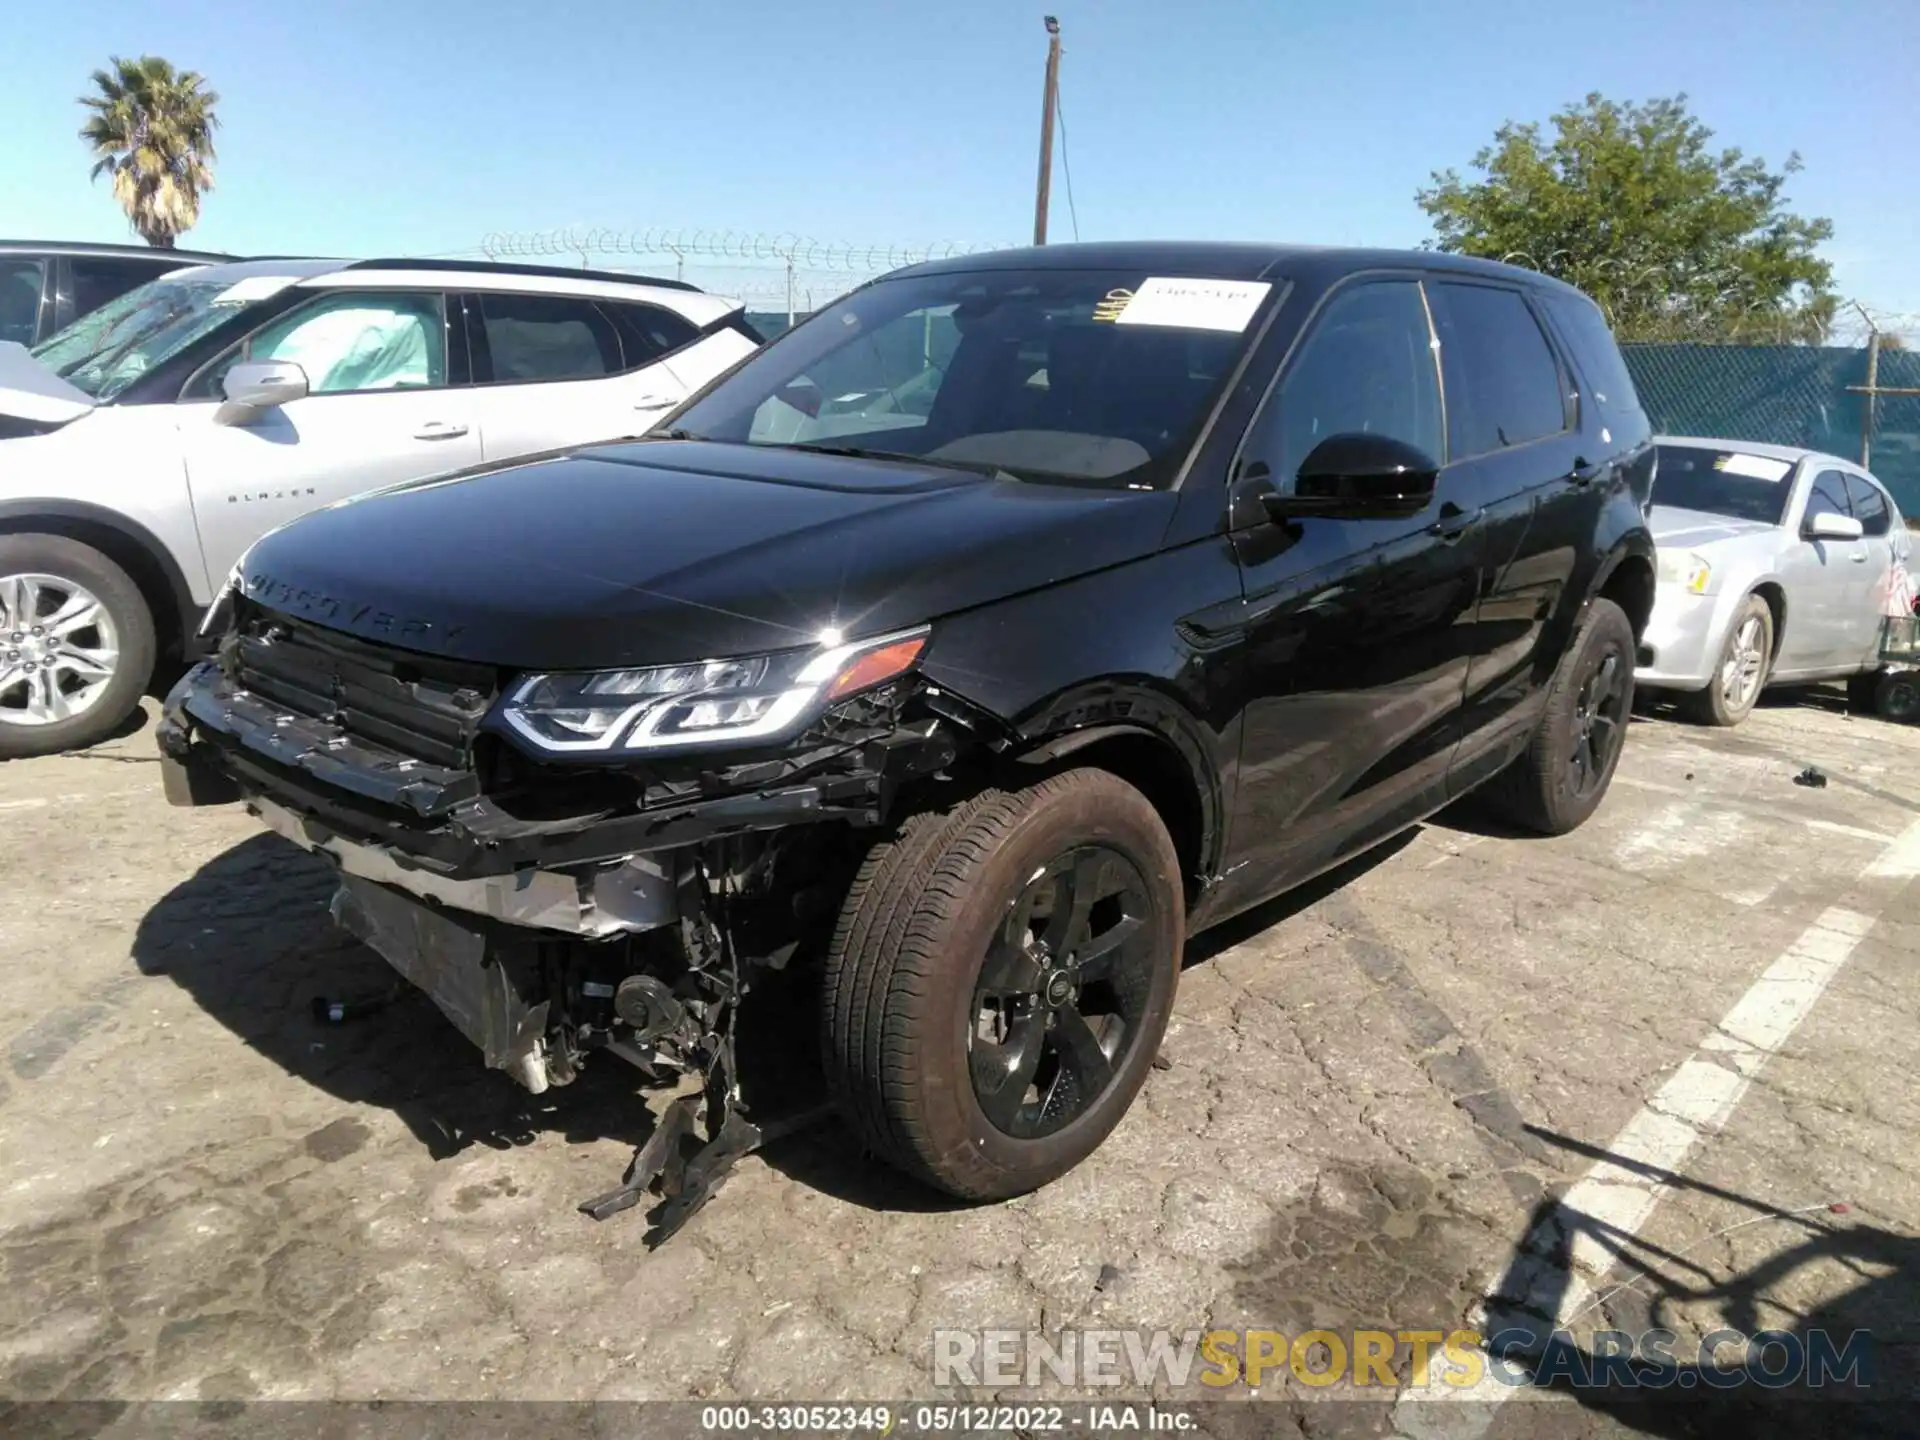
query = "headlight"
x=1686 y=570
x=754 y=697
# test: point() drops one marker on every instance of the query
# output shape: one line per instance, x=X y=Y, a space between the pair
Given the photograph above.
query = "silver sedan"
x=1776 y=565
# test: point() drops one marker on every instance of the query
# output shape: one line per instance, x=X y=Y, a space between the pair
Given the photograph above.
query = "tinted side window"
x=548 y=337
x=20 y=282
x=1366 y=366
x=1828 y=495
x=1503 y=383
x=97 y=280
x=1869 y=506
x=1603 y=369
x=647 y=332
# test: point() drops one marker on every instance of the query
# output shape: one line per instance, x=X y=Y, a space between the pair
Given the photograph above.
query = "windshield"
x=107 y=350
x=1723 y=482
x=1082 y=377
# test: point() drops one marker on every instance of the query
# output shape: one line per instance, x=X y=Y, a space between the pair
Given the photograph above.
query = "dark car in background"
x=967 y=649
x=46 y=285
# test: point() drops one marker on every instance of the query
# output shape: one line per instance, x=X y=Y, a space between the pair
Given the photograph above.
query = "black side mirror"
x=1355 y=476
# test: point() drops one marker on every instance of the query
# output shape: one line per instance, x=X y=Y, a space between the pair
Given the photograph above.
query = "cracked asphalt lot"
x=1375 y=1089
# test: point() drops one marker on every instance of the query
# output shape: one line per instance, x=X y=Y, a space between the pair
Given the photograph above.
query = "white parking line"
x=1616 y=1196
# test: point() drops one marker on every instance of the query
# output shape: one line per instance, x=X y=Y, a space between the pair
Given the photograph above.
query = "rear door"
x=1515 y=455
x=1826 y=586
x=557 y=370
x=385 y=404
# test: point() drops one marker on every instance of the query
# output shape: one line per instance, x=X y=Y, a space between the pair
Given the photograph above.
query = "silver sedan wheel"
x=1745 y=662
x=58 y=649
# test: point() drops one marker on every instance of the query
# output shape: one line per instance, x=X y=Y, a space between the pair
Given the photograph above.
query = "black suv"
x=968 y=647
x=46 y=285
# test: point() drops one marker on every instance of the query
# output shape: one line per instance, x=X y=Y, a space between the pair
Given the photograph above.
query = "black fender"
x=1631 y=546
x=1104 y=722
x=132 y=546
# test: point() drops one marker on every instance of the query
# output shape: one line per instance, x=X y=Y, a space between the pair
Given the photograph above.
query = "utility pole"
x=1046 y=133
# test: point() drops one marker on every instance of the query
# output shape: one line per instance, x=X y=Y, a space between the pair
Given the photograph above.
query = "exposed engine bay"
x=558 y=923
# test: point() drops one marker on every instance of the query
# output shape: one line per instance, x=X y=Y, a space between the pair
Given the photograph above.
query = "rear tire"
x=76 y=645
x=1563 y=774
x=1000 y=980
x=1897 y=695
x=1740 y=674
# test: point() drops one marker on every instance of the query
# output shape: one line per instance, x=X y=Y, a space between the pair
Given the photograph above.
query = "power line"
x=1066 y=166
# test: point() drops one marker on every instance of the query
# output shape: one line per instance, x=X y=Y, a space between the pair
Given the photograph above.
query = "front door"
x=1874 y=511
x=1827 y=589
x=380 y=409
x=1354 y=641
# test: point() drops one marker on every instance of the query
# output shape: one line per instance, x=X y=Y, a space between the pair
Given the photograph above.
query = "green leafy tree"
x=151 y=129
x=1676 y=240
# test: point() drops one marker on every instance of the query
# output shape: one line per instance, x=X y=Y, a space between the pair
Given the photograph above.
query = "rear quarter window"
x=1603 y=372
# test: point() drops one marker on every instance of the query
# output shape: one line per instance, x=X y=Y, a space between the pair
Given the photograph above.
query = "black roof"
x=510 y=267
x=83 y=247
x=1221 y=259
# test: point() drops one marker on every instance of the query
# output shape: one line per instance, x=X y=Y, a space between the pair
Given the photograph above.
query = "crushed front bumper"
x=432 y=832
x=1684 y=638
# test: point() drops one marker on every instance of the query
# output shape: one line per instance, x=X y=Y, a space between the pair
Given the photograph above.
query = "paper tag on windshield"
x=1191 y=304
x=254 y=287
x=1754 y=467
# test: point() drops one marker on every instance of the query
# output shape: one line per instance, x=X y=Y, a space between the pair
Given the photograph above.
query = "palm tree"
x=152 y=130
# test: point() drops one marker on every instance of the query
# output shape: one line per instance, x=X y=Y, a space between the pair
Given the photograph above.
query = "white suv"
x=143 y=448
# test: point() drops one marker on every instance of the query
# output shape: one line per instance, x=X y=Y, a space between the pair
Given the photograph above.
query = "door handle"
x=1455 y=522
x=1859 y=557
x=1583 y=474
x=653 y=402
x=439 y=430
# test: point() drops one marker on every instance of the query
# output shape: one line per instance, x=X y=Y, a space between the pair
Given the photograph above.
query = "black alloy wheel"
x=1063 y=991
x=1599 y=725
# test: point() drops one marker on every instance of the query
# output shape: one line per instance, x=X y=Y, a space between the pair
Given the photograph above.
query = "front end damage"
x=553 y=913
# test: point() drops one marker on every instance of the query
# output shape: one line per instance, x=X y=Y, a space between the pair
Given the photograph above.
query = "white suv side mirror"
x=255 y=385
x=1829 y=526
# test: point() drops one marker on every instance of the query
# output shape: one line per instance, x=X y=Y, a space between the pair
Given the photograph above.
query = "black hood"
x=678 y=550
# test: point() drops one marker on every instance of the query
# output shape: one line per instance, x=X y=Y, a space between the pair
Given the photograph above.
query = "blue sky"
x=419 y=126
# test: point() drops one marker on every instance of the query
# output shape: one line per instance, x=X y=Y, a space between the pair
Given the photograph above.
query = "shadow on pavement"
x=1803 y=1380
x=250 y=938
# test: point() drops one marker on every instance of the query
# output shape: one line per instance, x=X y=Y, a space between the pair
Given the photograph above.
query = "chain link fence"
x=1859 y=397
x=781 y=277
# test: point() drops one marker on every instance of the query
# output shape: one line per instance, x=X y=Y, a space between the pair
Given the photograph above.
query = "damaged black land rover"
x=975 y=644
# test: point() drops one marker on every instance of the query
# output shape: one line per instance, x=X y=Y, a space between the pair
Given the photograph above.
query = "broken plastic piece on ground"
x=686 y=1183
x=1812 y=778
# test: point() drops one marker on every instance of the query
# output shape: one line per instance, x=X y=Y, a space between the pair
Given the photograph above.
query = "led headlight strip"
x=663 y=707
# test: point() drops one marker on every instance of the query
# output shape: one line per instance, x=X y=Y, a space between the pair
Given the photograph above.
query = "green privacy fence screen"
x=1787 y=395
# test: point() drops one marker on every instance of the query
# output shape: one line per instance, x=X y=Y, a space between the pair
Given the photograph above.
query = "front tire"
x=1563 y=774
x=76 y=645
x=1741 y=673
x=1000 y=980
